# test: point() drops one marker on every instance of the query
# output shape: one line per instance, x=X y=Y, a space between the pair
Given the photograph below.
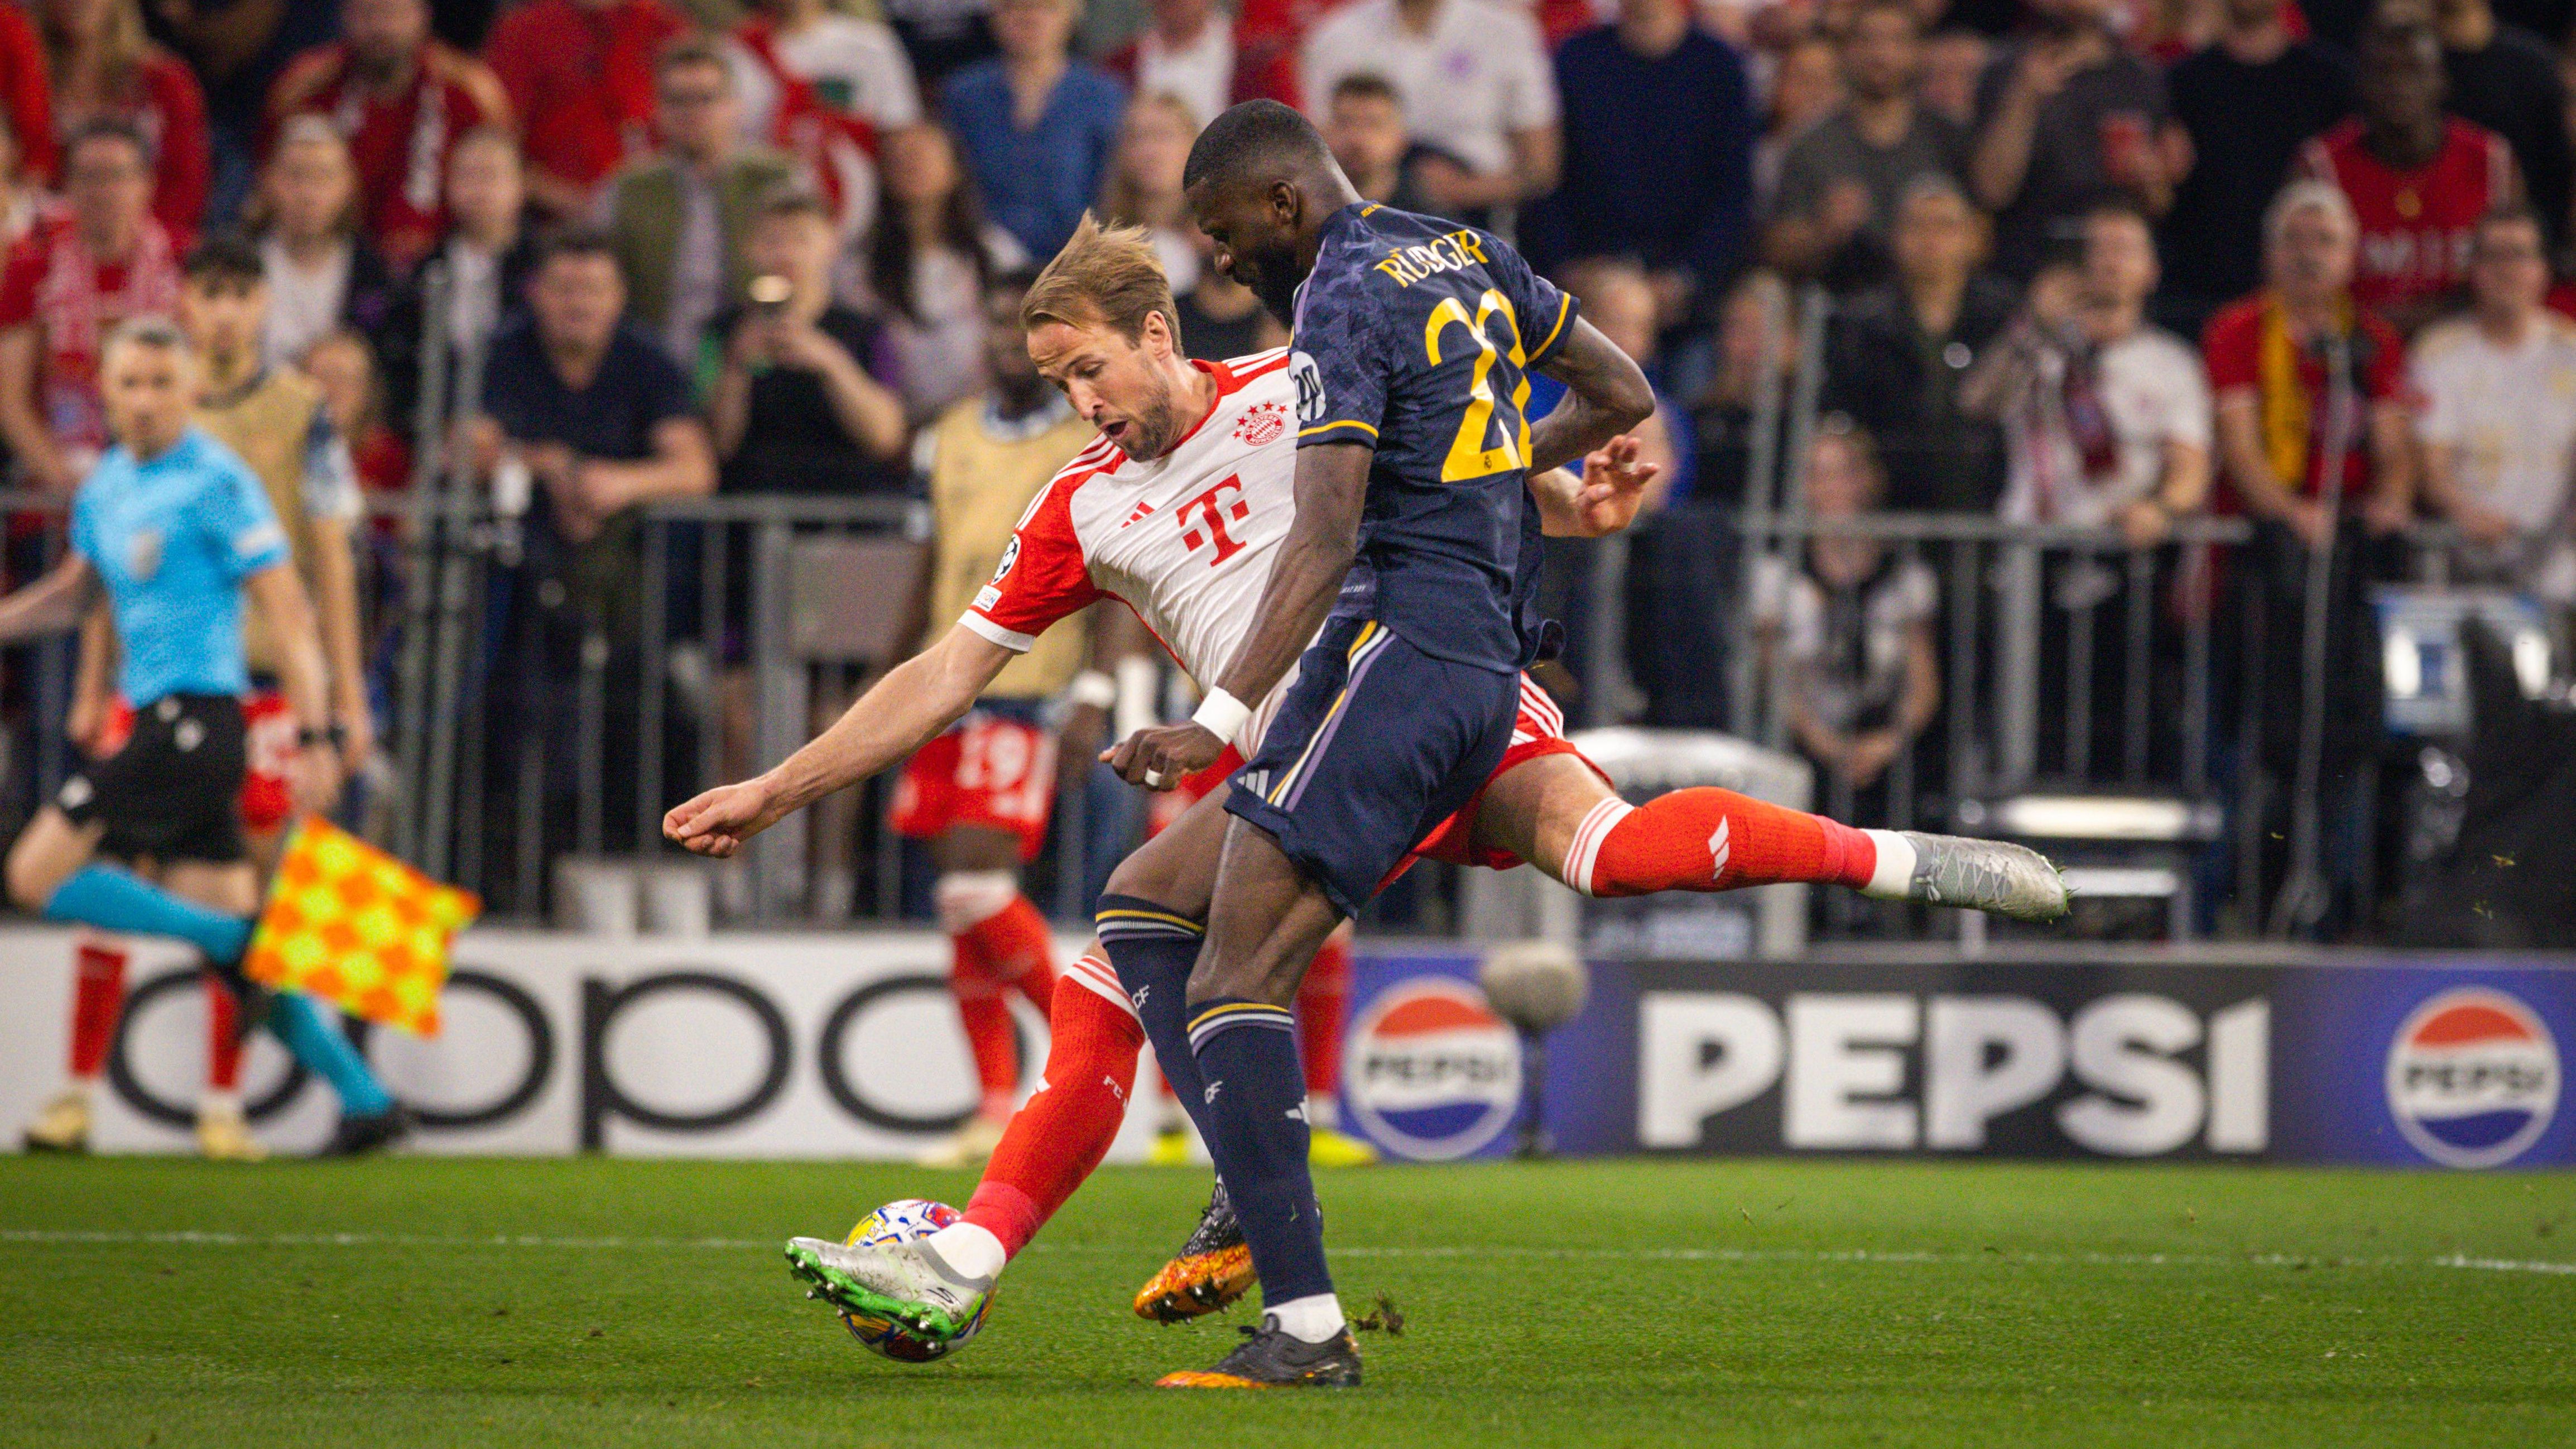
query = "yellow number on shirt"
x=1468 y=455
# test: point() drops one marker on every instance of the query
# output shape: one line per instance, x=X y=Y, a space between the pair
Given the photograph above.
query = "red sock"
x=223 y=1037
x=1706 y=839
x=1019 y=950
x=98 y=996
x=1060 y=1136
x=1323 y=1004
x=986 y=1015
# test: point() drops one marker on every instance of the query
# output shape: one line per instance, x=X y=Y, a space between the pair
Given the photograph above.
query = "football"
x=903 y=1221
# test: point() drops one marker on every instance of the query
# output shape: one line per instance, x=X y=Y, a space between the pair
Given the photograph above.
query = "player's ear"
x=1286 y=202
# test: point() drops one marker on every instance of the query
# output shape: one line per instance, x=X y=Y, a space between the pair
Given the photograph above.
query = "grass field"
x=598 y=1302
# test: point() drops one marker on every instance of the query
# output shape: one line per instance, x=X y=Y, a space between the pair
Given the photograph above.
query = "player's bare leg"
x=1555 y=812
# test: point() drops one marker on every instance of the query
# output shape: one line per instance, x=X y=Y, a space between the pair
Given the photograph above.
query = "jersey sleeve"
x=1337 y=359
x=1546 y=311
x=247 y=537
x=1042 y=578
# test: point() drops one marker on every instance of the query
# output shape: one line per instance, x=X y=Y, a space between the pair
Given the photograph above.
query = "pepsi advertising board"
x=2453 y=1062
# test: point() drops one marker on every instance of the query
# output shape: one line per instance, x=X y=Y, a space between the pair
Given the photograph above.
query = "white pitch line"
x=39 y=1237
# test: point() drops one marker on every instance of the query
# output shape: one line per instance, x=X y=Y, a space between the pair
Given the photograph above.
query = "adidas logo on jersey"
x=1141 y=510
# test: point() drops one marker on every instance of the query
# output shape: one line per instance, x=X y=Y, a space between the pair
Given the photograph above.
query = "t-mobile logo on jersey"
x=1205 y=516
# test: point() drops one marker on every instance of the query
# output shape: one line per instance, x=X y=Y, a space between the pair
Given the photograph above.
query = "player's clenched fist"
x=719 y=821
x=1161 y=758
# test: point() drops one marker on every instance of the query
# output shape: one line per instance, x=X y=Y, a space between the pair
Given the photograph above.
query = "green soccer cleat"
x=1984 y=875
x=905 y=1282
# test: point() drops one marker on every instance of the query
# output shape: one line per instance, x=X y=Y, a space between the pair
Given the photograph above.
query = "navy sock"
x=1256 y=1130
x=1153 y=949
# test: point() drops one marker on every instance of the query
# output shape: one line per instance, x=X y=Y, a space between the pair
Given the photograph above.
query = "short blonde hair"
x=1106 y=276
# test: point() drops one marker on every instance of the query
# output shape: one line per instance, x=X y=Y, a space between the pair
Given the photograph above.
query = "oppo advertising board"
x=2453 y=1061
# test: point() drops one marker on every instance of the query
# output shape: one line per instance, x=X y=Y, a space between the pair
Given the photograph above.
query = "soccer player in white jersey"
x=1178 y=510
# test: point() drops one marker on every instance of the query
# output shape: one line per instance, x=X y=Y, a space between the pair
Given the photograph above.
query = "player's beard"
x=1275 y=279
x=1158 y=422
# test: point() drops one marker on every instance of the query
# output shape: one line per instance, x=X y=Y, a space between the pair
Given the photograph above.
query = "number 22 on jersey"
x=1469 y=457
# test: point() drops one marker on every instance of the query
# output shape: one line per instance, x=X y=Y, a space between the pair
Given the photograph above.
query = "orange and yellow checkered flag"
x=352 y=925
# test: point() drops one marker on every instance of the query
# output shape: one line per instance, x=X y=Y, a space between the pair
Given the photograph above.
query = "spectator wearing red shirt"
x=101 y=64
x=2418 y=180
x=1189 y=49
x=580 y=78
x=65 y=287
x=401 y=99
x=27 y=95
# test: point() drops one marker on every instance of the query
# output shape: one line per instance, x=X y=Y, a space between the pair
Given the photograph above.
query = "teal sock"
x=320 y=1046
x=118 y=900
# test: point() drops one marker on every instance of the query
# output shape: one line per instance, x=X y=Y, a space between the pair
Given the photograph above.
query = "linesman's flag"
x=352 y=925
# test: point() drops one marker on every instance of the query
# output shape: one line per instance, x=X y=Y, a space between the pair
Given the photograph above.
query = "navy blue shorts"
x=1376 y=744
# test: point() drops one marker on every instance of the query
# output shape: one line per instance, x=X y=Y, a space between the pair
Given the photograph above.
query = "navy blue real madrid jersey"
x=1416 y=335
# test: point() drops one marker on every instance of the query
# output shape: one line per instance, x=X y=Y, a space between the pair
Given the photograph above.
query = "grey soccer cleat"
x=1985 y=875
x=905 y=1282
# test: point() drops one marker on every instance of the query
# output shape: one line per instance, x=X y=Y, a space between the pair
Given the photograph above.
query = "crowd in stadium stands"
x=2108 y=263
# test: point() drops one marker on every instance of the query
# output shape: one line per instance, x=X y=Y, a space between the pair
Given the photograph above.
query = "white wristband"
x=1221 y=714
x=1093 y=687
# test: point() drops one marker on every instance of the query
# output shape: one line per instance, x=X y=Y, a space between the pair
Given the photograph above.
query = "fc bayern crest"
x=1262 y=423
x=1435 y=1074
x=2473 y=1078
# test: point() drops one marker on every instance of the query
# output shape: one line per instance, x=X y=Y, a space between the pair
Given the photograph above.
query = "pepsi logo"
x=2472 y=1078
x=1433 y=1073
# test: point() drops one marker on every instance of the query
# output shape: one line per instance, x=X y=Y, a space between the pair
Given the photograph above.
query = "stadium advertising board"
x=2428 y=1062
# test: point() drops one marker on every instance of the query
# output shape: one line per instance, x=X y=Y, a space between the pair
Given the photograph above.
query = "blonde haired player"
x=1178 y=510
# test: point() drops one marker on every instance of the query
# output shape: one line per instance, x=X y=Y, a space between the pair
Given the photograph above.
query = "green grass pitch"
x=598 y=1302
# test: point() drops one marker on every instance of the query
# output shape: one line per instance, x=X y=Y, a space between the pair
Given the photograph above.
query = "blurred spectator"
x=1723 y=416
x=27 y=96
x=2064 y=116
x=1954 y=62
x=2418 y=179
x=1658 y=146
x=1846 y=622
x=237 y=49
x=1364 y=124
x=854 y=65
x=1806 y=87
x=2304 y=376
x=102 y=64
x=2496 y=393
x=66 y=286
x=1037 y=128
x=1144 y=186
x=401 y=99
x=678 y=217
x=793 y=407
x=594 y=421
x=778 y=106
x=941 y=36
x=927 y=266
x=1475 y=86
x=2506 y=79
x=1619 y=297
x=2244 y=105
x=1840 y=182
x=581 y=80
x=2106 y=418
x=484 y=263
x=1186 y=50
x=1270 y=41
x=322 y=275
x=1895 y=355
x=24 y=200
x=345 y=368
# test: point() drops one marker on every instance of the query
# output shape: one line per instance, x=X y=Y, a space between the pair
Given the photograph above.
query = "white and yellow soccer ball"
x=903 y=1221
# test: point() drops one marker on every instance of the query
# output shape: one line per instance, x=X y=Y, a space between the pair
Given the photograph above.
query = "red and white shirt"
x=2415 y=225
x=1186 y=539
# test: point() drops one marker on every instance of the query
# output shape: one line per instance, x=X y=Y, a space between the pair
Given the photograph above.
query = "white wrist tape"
x=1221 y=714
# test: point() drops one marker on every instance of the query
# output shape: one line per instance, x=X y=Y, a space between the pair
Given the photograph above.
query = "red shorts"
x=1540 y=730
x=268 y=734
x=987 y=770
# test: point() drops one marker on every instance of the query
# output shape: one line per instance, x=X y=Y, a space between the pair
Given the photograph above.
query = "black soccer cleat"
x=1269 y=1359
x=358 y=1135
x=1211 y=1270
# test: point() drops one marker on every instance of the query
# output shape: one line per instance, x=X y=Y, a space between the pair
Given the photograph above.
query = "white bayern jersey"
x=1186 y=539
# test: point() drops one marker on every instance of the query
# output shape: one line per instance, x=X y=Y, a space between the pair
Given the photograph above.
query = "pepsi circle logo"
x=1433 y=1073
x=2472 y=1078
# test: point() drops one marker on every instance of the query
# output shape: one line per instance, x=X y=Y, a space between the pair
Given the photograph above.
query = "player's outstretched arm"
x=50 y=604
x=917 y=699
x=1606 y=394
x=1332 y=484
x=1602 y=499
